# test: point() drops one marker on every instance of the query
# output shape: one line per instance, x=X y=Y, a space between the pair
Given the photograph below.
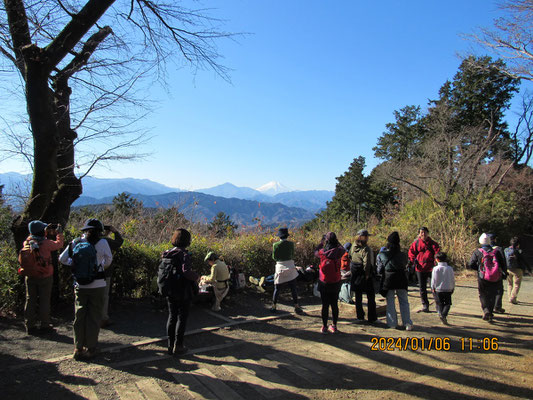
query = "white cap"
x=484 y=239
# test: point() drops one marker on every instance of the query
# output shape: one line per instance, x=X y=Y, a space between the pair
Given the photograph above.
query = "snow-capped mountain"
x=273 y=188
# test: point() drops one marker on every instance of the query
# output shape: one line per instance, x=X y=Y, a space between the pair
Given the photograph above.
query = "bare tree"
x=511 y=38
x=79 y=65
x=522 y=136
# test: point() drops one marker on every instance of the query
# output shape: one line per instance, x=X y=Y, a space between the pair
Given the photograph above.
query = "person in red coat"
x=422 y=256
x=330 y=252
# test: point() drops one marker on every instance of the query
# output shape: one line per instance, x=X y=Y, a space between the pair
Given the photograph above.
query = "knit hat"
x=394 y=238
x=484 y=240
x=93 y=223
x=36 y=228
x=347 y=246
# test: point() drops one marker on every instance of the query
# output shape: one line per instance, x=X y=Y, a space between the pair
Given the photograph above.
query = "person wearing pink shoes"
x=330 y=253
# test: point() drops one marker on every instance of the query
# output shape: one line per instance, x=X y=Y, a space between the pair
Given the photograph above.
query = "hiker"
x=442 y=285
x=182 y=291
x=345 y=294
x=498 y=305
x=392 y=263
x=516 y=267
x=219 y=278
x=362 y=270
x=309 y=275
x=114 y=244
x=422 y=256
x=489 y=263
x=286 y=273
x=330 y=253
x=39 y=286
x=93 y=252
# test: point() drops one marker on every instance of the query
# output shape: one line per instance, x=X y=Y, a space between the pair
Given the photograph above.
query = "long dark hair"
x=331 y=241
x=93 y=236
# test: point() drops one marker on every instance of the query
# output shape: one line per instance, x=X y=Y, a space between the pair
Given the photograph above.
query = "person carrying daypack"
x=88 y=257
x=362 y=279
x=516 y=267
x=490 y=264
x=498 y=305
x=36 y=266
x=179 y=284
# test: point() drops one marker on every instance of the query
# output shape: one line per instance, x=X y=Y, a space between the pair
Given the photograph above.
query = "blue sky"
x=313 y=85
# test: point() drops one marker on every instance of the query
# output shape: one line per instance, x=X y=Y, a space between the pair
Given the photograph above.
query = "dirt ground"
x=247 y=352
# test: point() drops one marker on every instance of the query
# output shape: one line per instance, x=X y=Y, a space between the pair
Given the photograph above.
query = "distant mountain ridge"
x=200 y=207
x=95 y=190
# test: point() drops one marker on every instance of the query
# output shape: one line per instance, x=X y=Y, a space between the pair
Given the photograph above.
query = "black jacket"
x=394 y=274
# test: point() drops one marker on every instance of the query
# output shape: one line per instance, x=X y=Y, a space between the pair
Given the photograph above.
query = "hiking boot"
x=273 y=308
x=90 y=353
x=409 y=327
x=179 y=350
x=324 y=329
x=105 y=323
x=513 y=301
x=254 y=281
x=298 y=309
x=47 y=329
x=78 y=355
x=425 y=309
x=499 y=310
x=32 y=330
x=443 y=319
x=333 y=329
x=486 y=317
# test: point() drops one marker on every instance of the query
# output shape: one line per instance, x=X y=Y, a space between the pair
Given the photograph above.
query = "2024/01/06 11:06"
x=432 y=343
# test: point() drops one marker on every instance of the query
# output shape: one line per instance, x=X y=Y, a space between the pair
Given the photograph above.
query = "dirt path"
x=288 y=358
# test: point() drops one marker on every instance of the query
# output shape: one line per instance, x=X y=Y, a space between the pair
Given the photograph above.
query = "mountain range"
x=273 y=203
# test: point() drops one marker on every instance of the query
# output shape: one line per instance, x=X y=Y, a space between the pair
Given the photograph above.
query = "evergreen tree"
x=222 y=225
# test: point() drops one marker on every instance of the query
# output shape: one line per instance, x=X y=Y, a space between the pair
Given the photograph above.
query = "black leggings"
x=292 y=285
x=329 y=293
x=178 y=312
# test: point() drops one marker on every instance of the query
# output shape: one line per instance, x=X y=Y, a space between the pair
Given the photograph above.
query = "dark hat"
x=347 y=246
x=394 y=238
x=93 y=223
x=36 y=228
x=423 y=228
x=363 y=232
x=283 y=232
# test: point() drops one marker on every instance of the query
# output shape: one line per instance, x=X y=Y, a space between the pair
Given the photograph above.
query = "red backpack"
x=490 y=268
x=31 y=262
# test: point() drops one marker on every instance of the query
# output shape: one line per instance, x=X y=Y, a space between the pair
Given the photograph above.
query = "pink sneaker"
x=323 y=330
x=333 y=328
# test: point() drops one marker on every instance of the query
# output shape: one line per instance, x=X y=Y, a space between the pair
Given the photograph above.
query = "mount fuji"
x=273 y=188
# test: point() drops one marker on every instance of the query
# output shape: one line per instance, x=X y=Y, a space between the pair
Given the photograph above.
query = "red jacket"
x=422 y=254
x=345 y=262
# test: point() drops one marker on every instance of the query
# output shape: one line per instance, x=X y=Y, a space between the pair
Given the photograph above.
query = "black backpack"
x=168 y=276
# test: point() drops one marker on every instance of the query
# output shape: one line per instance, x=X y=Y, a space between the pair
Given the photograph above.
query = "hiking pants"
x=105 y=308
x=292 y=285
x=423 y=278
x=219 y=293
x=329 y=294
x=88 y=306
x=487 y=295
x=443 y=301
x=178 y=313
x=514 y=279
x=499 y=295
x=366 y=286
x=38 y=290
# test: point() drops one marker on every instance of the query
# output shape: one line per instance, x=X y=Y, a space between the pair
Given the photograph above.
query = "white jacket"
x=442 y=278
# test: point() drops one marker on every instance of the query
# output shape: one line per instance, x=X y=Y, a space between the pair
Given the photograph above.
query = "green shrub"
x=12 y=289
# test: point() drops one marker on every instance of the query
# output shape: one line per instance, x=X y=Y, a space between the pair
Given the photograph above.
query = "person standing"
x=488 y=262
x=114 y=244
x=330 y=252
x=182 y=291
x=442 y=285
x=219 y=278
x=394 y=262
x=286 y=273
x=422 y=256
x=89 y=297
x=498 y=305
x=39 y=288
x=362 y=280
x=516 y=266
